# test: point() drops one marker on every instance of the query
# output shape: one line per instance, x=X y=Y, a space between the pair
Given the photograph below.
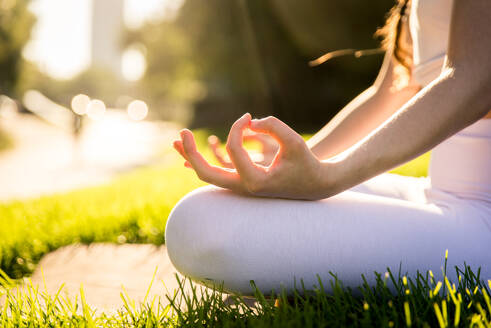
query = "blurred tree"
x=16 y=22
x=170 y=69
x=320 y=26
x=199 y=58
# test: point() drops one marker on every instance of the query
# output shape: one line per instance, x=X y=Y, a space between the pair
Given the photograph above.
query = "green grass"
x=416 y=168
x=394 y=301
x=134 y=208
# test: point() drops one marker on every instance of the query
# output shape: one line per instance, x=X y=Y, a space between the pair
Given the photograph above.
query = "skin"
x=397 y=126
x=363 y=114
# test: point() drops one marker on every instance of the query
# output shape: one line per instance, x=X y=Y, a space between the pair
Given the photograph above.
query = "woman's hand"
x=268 y=150
x=294 y=172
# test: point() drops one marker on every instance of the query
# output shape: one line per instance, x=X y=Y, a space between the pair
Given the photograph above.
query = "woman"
x=259 y=226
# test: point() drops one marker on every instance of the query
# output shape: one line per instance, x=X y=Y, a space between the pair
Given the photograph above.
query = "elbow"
x=472 y=87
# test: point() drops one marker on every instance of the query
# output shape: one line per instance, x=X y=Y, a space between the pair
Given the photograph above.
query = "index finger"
x=274 y=127
x=288 y=139
x=221 y=177
x=238 y=155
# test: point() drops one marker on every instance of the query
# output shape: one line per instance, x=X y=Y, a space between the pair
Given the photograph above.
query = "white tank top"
x=429 y=23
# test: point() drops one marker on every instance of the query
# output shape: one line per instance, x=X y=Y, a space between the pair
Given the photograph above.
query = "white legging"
x=217 y=237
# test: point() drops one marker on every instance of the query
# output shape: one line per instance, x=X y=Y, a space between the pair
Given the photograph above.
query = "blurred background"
x=93 y=87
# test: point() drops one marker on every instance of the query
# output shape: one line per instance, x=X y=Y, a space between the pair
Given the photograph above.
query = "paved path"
x=46 y=159
x=102 y=270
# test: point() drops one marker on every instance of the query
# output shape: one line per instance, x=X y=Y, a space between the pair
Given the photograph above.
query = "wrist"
x=334 y=177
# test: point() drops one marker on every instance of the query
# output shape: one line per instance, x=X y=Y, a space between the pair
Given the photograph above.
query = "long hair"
x=395 y=39
x=391 y=34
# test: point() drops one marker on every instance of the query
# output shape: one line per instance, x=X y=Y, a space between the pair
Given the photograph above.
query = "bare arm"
x=363 y=114
x=457 y=98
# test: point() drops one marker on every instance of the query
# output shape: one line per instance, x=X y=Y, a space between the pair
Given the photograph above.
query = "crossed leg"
x=217 y=237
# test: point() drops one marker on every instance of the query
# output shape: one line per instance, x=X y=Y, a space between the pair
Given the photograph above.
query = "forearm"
x=362 y=115
x=452 y=102
x=344 y=129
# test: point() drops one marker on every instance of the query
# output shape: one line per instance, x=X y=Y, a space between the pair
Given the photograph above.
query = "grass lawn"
x=134 y=208
x=394 y=301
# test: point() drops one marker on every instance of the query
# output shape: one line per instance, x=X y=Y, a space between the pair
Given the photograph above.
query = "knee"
x=192 y=243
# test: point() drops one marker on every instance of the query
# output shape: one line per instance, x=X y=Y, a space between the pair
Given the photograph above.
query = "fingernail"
x=184 y=133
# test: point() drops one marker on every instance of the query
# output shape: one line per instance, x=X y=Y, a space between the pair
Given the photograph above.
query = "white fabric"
x=461 y=165
x=429 y=23
x=215 y=236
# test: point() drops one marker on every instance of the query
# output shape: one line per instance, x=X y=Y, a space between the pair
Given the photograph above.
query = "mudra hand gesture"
x=294 y=172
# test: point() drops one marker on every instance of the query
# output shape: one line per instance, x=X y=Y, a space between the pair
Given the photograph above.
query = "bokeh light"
x=137 y=110
x=133 y=63
x=80 y=103
x=96 y=109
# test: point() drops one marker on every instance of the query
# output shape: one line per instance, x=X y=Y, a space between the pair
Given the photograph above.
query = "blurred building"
x=107 y=28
